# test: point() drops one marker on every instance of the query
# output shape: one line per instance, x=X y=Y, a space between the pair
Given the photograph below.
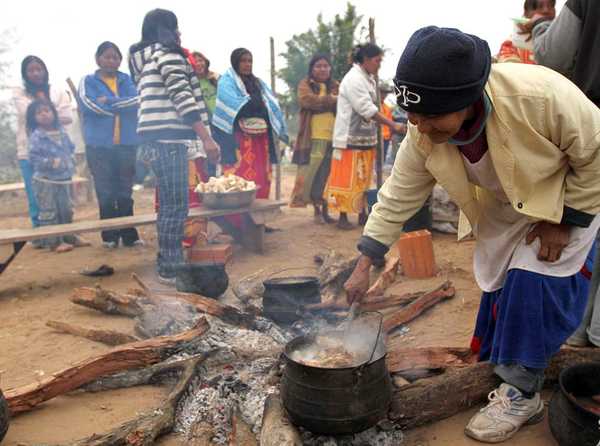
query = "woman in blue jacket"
x=109 y=101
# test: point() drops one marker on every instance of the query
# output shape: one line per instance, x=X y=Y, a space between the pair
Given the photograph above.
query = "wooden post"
x=277 y=154
x=380 y=152
x=86 y=172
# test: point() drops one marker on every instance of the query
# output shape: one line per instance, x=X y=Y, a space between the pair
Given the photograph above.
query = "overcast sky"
x=65 y=33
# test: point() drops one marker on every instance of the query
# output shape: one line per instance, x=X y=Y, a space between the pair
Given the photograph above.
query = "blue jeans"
x=170 y=166
x=27 y=173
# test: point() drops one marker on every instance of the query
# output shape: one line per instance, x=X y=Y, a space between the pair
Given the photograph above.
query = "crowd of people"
x=515 y=145
x=174 y=114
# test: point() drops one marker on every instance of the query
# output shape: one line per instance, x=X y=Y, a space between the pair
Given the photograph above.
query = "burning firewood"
x=132 y=378
x=249 y=288
x=241 y=433
x=144 y=430
x=277 y=430
x=334 y=271
x=201 y=435
x=108 y=337
x=420 y=305
x=129 y=356
x=107 y=301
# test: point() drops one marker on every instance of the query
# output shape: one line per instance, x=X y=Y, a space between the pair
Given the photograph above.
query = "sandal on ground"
x=101 y=271
x=63 y=247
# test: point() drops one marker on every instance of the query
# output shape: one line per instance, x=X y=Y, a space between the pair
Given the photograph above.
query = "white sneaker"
x=506 y=412
x=110 y=245
x=169 y=281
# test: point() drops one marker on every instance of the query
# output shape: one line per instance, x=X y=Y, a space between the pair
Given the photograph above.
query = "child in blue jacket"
x=51 y=156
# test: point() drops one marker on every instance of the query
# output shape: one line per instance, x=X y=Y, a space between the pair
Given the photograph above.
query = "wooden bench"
x=77 y=184
x=254 y=217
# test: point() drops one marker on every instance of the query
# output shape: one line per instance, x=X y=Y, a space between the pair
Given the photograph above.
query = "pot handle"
x=297 y=268
x=360 y=368
x=358 y=371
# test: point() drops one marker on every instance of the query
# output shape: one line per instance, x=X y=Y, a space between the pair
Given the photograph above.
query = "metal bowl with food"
x=227 y=192
x=227 y=200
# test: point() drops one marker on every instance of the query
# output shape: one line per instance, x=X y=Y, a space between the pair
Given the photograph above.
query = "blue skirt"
x=528 y=320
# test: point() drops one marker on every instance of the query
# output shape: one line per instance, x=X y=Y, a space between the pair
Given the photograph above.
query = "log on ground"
x=458 y=389
x=127 y=357
x=107 y=301
x=420 y=305
x=241 y=432
x=277 y=430
x=144 y=430
x=108 y=337
x=401 y=360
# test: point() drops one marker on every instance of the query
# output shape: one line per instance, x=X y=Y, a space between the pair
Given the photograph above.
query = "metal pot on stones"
x=284 y=298
x=207 y=280
x=337 y=382
x=571 y=422
x=4 y=416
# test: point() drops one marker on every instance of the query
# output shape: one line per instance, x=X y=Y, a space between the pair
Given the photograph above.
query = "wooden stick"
x=433 y=399
x=226 y=313
x=408 y=359
x=146 y=289
x=130 y=356
x=277 y=430
x=369 y=304
x=419 y=306
x=386 y=278
x=108 y=337
x=107 y=301
x=145 y=429
x=241 y=433
x=133 y=378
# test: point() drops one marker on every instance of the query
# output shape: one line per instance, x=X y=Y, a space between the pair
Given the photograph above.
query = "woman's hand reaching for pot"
x=357 y=285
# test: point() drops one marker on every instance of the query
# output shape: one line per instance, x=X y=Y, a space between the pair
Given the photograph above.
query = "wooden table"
x=252 y=237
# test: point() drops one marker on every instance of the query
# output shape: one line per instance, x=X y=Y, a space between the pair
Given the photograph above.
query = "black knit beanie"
x=442 y=70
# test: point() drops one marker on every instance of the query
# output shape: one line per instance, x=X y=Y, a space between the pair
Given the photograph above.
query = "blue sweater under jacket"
x=43 y=150
x=99 y=119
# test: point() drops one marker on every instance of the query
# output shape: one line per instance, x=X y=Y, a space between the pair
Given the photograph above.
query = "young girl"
x=35 y=86
x=51 y=156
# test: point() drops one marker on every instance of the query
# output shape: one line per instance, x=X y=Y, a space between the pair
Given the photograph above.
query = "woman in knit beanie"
x=506 y=142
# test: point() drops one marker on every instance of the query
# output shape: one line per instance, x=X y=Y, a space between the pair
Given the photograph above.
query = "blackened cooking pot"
x=336 y=401
x=206 y=280
x=4 y=416
x=284 y=298
x=570 y=422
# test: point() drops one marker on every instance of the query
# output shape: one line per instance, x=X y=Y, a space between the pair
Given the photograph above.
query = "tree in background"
x=9 y=171
x=335 y=38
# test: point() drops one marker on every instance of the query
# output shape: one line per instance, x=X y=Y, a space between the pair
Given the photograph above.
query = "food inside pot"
x=333 y=352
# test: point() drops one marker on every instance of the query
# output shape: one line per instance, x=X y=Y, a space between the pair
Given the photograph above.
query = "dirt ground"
x=37 y=285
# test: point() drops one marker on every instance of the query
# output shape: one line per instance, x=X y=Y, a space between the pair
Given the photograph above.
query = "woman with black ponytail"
x=172 y=116
x=355 y=135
